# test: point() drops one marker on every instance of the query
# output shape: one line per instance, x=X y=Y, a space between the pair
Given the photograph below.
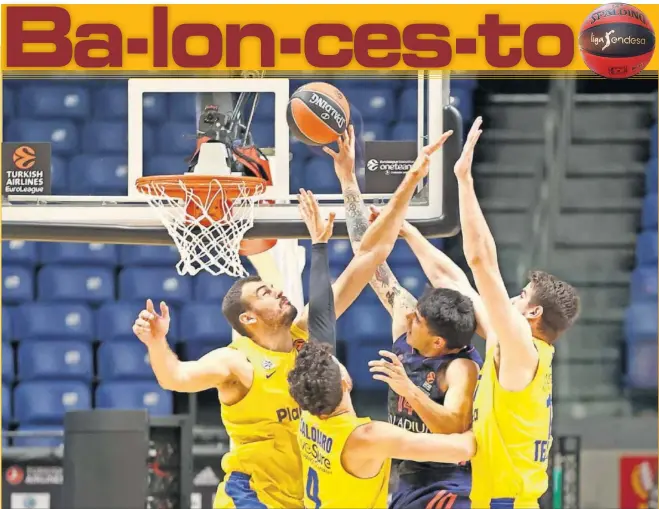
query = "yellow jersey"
x=263 y=465
x=327 y=485
x=513 y=433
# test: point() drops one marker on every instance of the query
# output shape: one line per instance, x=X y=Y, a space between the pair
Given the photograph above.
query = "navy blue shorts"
x=436 y=496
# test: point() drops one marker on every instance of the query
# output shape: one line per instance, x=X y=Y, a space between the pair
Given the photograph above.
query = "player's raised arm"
x=383 y=440
x=210 y=371
x=519 y=357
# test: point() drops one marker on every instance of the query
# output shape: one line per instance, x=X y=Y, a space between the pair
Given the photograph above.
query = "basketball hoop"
x=207 y=217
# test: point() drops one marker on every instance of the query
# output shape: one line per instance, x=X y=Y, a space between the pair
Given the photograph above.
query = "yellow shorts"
x=237 y=492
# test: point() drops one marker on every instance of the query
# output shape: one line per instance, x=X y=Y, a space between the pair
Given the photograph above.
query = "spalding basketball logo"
x=24 y=157
x=617 y=41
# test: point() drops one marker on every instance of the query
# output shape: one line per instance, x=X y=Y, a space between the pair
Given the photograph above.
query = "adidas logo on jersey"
x=206 y=477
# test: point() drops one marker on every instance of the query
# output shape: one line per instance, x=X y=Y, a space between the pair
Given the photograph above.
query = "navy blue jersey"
x=426 y=373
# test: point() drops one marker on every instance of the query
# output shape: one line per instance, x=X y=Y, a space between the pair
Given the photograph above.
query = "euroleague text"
x=372 y=45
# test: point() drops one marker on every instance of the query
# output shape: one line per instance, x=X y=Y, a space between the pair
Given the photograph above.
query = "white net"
x=203 y=242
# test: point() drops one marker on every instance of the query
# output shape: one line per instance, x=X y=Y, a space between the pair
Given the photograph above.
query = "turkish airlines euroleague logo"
x=24 y=157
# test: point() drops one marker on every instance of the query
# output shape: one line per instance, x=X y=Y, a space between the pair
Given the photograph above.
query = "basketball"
x=318 y=113
x=616 y=41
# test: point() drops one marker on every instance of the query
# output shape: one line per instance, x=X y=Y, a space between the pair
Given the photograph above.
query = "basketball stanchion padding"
x=207 y=217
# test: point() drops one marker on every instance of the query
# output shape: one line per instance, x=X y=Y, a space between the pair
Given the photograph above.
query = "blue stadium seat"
x=642 y=365
x=641 y=322
x=183 y=108
x=166 y=256
x=75 y=284
x=105 y=137
x=36 y=440
x=653 y=141
x=651 y=176
x=412 y=279
x=77 y=253
x=167 y=165
x=8 y=102
x=319 y=176
x=375 y=104
x=111 y=102
x=300 y=151
x=17 y=284
x=205 y=323
x=650 y=212
x=195 y=351
x=462 y=100
x=59 y=176
x=646 y=248
x=458 y=83
x=134 y=395
x=7 y=363
x=55 y=360
x=124 y=361
x=358 y=355
x=263 y=134
x=158 y=284
x=19 y=252
x=401 y=255
x=54 y=101
x=48 y=321
x=7 y=324
x=154 y=107
x=408 y=105
x=340 y=252
x=96 y=175
x=406 y=131
x=46 y=402
x=114 y=321
x=177 y=138
x=644 y=284
x=63 y=134
x=265 y=110
x=365 y=323
x=6 y=405
x=373 y=131
x=209 y=288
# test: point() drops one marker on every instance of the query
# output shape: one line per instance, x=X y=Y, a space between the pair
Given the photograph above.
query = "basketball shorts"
x=238 y=492
x=435 y=496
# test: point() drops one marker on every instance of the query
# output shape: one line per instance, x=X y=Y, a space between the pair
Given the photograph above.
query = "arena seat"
x=105 y=137
x=155 y=107
x=8 y=102
x=412 y=278
x=642 y=364
x=195 y=351
x=56 y=320
x=114 y=321
x=365 y=324
x=38 y=441
x=319 y=176
x=134 y=395
x=123 y=360
x=59 y=176
x=177 y=138
x=46 y=402
x=641 y=322
x=263 y=134
x=358 y=355
x=644 y=284
x=8 y=371
x=62 y=134
x=6 y=405
x=375 y=104
x=98 y=175
x=405 y=131
x=651 y=176
x=167 y=164
x=93 y=285
x=148 y=256
x=646 y=248
x=77 y=253
x=55 y=360
x=111 y=102
x=653 y=141
x=265 y=110
x=54 y=101
x=209 y=288
x=7 y=322
x=300 y=151
x=205 y=323
x=158 y=284
x=650 y=213
x=183 y=108
x=19 y=252
x=17 y=284
x=373 y=131
x=408 y=105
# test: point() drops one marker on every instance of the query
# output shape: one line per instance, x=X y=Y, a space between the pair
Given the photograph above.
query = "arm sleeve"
x=322 y=316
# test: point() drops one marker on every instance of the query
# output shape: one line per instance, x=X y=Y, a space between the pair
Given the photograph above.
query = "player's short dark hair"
x=315 y=381
x=448 y=314
x=560 y=302
x=233 y=305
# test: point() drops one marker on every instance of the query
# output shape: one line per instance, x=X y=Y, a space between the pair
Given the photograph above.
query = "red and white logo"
x=15 y=475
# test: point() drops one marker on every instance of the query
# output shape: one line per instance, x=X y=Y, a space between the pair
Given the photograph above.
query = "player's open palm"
x=462 y=168
x=344 y=159
x=319 y=230
x=421 y=166
x=150 y=326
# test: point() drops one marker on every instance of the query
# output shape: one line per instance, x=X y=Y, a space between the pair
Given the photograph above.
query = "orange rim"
x=232 y=186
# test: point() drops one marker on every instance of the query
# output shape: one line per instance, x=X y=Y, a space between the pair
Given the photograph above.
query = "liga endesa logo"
x=163 y=44
x=24 y=157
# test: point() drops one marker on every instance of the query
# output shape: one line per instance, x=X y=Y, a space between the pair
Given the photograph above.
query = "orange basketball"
x=318 y=113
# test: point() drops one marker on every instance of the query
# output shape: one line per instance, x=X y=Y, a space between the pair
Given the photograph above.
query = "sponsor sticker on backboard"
x=386 y=163
x=26 y=168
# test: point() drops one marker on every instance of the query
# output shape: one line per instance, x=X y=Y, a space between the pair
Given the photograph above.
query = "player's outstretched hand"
x=319 y=229
x=344 y=160
x=421 y=166
x=462 y=168
x=150 y=326
x=392 y=372
x=375 y=212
